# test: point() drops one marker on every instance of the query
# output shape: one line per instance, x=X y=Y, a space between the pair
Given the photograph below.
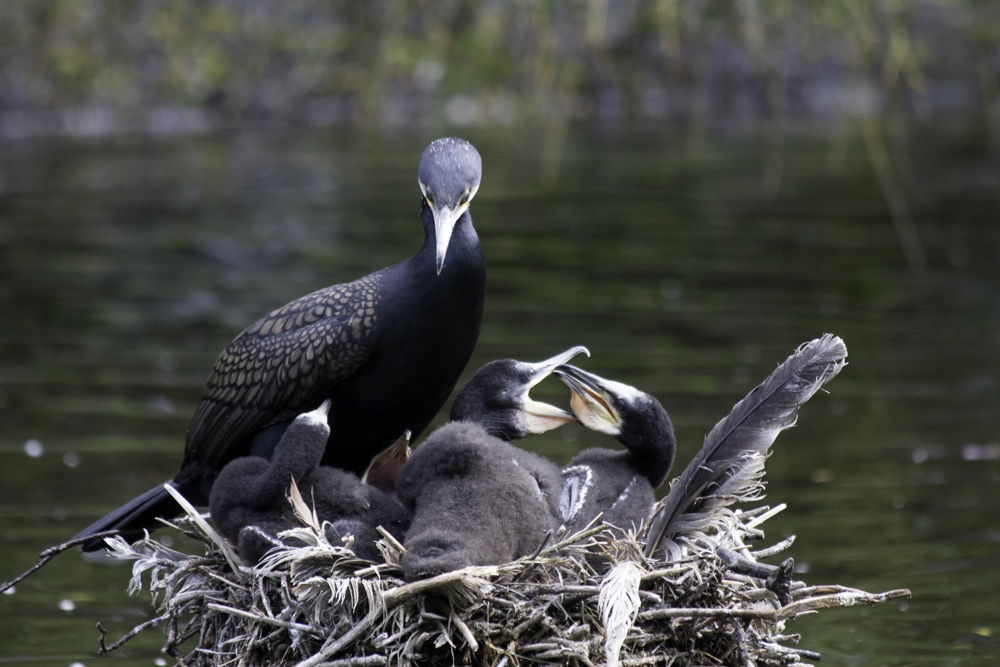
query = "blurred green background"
x=103 y=67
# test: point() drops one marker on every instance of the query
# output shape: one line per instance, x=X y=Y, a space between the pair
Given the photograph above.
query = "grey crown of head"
x=448 y=168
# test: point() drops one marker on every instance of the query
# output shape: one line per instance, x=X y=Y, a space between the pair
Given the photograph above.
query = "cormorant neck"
x=651 y=447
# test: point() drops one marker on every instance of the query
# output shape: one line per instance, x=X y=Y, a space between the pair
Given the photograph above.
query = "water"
x=126 y=266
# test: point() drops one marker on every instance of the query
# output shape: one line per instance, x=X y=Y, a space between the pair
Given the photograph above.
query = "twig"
x=757 y=520
x=777 y=548
x=332 y=647
x=466 y=632
x=298 y=627
x=104 y=649
x=52 y=552
x=360 y=661
x=394 y=596
x=698 y=612
x=847 y=598
x=234 y=560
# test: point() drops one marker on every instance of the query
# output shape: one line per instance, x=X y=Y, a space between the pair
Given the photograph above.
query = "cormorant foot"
x=779 y=582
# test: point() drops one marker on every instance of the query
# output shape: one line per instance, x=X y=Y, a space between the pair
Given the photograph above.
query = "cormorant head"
x=497 y=398
x=634 y=417
x=449 y=174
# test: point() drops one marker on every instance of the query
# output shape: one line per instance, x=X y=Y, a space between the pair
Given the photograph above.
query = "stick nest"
x=320 y=605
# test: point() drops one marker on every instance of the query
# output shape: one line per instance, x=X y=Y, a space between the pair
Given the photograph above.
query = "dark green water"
x=126 y=267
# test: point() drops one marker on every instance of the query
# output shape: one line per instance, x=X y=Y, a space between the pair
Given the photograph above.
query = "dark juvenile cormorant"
x=473 y=502
x=618 y=485
x=476 y=499
x=386 y=349
x=497 y=399
x=249 y=501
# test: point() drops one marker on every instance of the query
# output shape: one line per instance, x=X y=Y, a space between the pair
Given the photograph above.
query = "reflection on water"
x=126 y=267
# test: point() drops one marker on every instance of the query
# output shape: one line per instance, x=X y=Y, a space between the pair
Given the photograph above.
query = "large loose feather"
x=618 y=602
x=731 y=461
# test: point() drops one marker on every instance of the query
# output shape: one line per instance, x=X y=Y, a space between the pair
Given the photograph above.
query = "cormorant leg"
x=777 y=578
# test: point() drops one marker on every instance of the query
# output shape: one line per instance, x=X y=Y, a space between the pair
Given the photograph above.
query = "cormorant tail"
x=132 y=517
x=731 y=461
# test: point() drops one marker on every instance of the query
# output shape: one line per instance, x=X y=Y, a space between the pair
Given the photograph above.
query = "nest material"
x=318 y=605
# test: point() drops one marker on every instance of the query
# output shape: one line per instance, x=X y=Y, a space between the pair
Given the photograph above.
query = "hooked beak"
x=542 y=417
x=445 y=220
x=590 y=403
x=444 y=225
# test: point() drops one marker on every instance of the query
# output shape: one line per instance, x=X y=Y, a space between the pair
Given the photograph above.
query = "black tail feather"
x=133 y=517
x=731 y=460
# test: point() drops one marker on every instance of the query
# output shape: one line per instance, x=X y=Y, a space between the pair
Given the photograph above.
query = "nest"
x=319 y=605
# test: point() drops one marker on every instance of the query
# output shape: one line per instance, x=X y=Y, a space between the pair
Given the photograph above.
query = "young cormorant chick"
x=618 y=485
x=386 y=350
x=249 y=501
x=476 y=499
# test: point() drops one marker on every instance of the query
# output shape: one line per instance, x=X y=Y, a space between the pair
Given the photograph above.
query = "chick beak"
x=384 y=468
x=541 y=417
x=590 y=402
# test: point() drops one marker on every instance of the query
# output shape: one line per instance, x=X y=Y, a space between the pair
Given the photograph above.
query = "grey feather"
x=731 y=461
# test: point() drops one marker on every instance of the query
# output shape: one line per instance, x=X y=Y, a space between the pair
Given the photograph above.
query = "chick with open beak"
x=617 y=485
x=497 y=397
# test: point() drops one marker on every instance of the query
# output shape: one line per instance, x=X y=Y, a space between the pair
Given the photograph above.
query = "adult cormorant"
x=249 y=500
x=618 y=485
x=475 y=498
x=386 y=350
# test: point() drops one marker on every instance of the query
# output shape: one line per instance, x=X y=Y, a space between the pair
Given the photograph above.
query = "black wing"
x=283 y=365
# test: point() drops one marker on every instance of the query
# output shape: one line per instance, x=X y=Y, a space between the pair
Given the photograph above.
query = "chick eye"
x=619 y=403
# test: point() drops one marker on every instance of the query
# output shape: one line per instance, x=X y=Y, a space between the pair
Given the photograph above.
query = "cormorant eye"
x=429 y=197
x=464 y=200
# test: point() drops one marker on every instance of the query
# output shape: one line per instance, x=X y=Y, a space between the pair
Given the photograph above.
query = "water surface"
x=126 y=266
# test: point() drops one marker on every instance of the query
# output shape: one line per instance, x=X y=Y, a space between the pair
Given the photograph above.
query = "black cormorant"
x=618 y=485
x=249 y=501
x=476 y=499
x=386 y=349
